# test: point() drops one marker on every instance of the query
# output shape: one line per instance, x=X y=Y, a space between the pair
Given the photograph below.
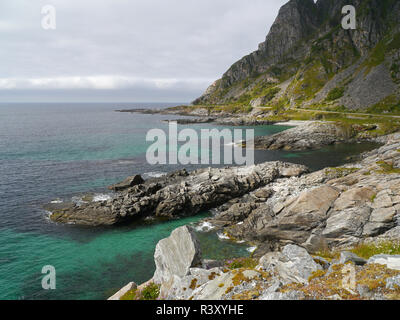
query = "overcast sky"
x=125 y=50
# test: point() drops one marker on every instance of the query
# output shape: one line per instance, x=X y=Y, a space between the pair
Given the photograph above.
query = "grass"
x=379 y=53
x=310 y=82
x=387 y=168
x=388 y=105
x=368 y=250
x=340 y=172
x=248 y=263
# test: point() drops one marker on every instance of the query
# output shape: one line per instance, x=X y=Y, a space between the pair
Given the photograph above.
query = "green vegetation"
x=340 y=172
x=248 y=263
x=335 y=94
x=367 y=250
x=151 y=292
x=130 y=295
x=308 y=83
x=379 y=53
x=387 y=168
x=388 y=105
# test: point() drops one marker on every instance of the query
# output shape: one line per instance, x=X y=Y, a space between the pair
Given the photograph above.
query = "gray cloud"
x=148 y=50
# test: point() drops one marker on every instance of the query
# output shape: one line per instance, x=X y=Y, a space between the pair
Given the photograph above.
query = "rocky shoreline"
x=289 y=214
x=291 y=219
x=306 y=135
x=175 y=195
x=199 y=114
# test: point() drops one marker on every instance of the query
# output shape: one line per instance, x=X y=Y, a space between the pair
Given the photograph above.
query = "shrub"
x=335 y=94
x=151 y=292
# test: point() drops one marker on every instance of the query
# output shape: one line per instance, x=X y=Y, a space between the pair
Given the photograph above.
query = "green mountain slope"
x=309 y=61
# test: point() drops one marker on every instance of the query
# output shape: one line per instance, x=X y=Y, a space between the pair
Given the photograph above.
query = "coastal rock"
x=300 y=215
x=219 y=287
x=117 y=296
x=393 y=283
x=291 y=295
x=178 y=288
x=175 y=255
x=347 y=256
x=390 y=261
x=177 y=194
x=334 y=207
x=127 y=183
x=293 y=264
x=304 y=137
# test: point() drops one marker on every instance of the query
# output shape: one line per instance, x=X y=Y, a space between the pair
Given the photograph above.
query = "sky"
x=125 y=50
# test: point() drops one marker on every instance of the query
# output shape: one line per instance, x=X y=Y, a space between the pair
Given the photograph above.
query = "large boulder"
x=175 y=255
x=299 y=216
x=293 y=264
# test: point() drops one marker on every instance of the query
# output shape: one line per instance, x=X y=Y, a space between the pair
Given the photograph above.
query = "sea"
x=55 y=152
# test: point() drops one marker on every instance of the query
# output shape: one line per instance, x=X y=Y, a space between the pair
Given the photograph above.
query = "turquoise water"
x=52 y=151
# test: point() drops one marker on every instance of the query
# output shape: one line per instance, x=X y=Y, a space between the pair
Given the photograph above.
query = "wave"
x=222 y=236
x=155 y=174
x=101 y=197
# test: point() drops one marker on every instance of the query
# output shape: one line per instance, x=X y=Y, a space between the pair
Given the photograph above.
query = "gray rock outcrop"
x=177 y=194
x=175 y=255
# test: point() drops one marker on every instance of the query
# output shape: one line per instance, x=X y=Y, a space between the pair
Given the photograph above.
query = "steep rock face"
x=295 y=21
x=307 y=54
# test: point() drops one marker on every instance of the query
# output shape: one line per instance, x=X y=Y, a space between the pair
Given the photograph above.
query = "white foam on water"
x=101 y=197
x=251 y=249
x=155 y=174
x=47 y=215
x=222 y=236
x=57 y=201
x=204 y=227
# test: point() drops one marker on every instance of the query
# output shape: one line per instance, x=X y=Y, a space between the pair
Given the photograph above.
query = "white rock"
x=390 y=261
x=175 y=255
x=130 y=286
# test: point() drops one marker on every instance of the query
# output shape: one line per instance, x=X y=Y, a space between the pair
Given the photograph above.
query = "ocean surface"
x=58 y=152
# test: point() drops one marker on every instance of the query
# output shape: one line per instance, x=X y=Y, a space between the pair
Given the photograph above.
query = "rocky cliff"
x=308 y=60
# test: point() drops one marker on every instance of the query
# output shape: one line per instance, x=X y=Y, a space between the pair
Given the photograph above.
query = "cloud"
x=96 y=83
x=127 y=44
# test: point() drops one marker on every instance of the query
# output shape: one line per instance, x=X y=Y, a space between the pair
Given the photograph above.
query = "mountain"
x=309 y=61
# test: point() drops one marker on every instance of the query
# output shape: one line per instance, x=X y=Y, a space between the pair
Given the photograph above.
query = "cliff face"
x=308 y=59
